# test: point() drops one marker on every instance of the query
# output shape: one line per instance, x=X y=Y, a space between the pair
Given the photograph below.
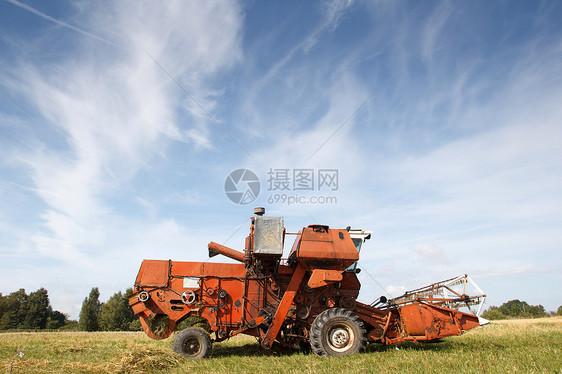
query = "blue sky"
x=120 y=122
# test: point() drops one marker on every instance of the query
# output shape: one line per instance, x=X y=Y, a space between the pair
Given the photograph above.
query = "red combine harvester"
x=307 y=299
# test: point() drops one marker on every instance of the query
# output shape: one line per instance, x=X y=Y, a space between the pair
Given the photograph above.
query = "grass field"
x=527 y=346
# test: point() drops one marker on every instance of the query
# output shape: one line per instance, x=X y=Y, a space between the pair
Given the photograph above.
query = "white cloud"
x=433 y=31
x=395 y=291
x=430 y=253
x=117 y=109
x=333 y=12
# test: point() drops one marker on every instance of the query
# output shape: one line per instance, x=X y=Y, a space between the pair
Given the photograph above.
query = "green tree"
x=116 y=314
x=21 y=311
x=517 y=308
x=56 y=320
x=131 y=317
x=535 y=311
x=559 y=311
x=3 y=311
x=90 y=312
x=2 y=305
x=15 y=309
x=512 y=308
x=38 y=309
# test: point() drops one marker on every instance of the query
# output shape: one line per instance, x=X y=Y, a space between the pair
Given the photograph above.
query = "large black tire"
x=337 y=332
x=193 y=343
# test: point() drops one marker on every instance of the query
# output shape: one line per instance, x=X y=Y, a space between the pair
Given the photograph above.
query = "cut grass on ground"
x=501 y=347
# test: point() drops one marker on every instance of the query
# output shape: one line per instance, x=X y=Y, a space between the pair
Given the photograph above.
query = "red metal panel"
x=413 y=320
x=321 y=277
x=202 y=269
x=153 y=273
x=331 y=249
x=430 y=321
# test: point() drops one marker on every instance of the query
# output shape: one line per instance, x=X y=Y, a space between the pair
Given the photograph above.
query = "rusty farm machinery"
x=308 y=299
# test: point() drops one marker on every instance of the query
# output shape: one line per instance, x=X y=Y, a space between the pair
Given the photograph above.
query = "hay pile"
x=144 y=360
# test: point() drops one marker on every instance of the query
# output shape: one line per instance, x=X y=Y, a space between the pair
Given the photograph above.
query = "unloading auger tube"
x=309 y=298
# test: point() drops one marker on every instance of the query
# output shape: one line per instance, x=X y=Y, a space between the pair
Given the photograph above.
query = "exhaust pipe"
x=215 y=249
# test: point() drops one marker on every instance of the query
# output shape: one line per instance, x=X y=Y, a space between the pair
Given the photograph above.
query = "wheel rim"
x=340 y=338
x=192 y=347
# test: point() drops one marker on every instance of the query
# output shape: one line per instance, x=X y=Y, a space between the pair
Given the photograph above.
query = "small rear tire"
x=193 y=343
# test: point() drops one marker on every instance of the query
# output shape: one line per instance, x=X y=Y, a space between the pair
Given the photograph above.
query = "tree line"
x=518 y=309
x=19 y=310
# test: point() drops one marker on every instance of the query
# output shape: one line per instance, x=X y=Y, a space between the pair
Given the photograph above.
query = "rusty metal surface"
x=284 y=305
x=322 y=247
x=153 y=273
x=322 y=277
x=268 y=236
x=215 y=248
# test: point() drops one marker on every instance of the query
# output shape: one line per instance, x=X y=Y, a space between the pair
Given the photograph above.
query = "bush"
x=493 y=314
x=135 y=325
x=69 y=326
x=53 y=325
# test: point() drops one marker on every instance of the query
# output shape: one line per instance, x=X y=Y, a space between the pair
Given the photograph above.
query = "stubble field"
x=513 y=346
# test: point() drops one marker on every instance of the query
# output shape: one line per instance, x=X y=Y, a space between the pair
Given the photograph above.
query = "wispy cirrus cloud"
x=113 y=123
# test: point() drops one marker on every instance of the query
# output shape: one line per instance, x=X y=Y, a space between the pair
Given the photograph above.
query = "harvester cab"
x=358 y=236
x=309 y=299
